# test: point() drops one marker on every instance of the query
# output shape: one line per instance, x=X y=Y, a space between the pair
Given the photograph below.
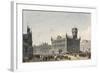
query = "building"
x=27 y=45
x=68 y=44
x=42 y=49
x=58 y=44
x=85 y=46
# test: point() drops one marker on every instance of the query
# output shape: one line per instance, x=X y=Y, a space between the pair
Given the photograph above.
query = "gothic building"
x=85 y=46
x=27 y=45
x=68 y=44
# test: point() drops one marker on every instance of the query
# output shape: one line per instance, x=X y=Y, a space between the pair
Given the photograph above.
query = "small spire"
x=51 y=39
x=28 y=29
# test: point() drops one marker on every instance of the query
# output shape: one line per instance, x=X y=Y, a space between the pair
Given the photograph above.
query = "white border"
x=17 y=34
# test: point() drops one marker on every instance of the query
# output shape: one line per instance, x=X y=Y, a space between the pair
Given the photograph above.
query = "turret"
x=28 y=29
x=74 y=33
x=51 y=39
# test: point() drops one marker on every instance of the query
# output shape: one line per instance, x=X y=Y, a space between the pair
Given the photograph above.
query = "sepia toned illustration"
x=56 y=36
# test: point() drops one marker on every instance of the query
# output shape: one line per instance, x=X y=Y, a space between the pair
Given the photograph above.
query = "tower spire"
x=74 y=32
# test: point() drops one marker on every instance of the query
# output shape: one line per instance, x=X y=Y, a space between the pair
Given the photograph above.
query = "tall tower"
x=74 y=32
x=28 y=29
x=29 y=33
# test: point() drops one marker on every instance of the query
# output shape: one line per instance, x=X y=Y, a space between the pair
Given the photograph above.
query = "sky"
x=47 y=24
